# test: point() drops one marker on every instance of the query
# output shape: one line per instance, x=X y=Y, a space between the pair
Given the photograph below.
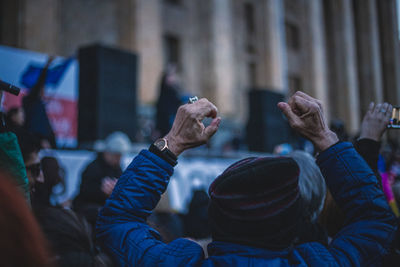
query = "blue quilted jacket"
x=370 y=225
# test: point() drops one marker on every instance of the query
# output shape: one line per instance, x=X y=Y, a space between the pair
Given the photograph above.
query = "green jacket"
x=11 y=161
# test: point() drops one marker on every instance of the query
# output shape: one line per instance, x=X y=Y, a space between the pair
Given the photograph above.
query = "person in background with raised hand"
x=255 y=212
x=368 y=145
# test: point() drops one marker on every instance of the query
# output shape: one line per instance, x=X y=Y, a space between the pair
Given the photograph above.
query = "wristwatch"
x=160 y=148
x=2 y=123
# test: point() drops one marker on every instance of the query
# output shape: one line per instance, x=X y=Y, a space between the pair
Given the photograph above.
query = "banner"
x=22 y=68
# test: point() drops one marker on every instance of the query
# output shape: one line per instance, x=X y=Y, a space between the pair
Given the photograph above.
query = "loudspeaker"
x=107 y=93
x=266 y=126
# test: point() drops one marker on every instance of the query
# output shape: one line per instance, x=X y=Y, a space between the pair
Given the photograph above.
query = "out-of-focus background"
x=243 y=55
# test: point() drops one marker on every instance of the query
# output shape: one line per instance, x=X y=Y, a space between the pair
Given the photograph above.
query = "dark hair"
x=22 y=243
x=70 y=237
x=52 y=171
x=338 y=127
x=10 y=113
x=196 y=220
x=53 y=174
x=29 y=144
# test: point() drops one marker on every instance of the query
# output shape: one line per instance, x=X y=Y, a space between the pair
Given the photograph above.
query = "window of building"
x=252 y=69
x=292 y=36
x=174 y=2
x=295 y=84
x=249 y=18
x=172 y=50
x=250 y=27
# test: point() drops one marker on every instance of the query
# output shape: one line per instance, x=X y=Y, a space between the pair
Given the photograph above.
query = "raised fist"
x=188 y=129
x=305 y=115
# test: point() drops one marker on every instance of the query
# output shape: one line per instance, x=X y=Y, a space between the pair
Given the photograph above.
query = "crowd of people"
x=336 y=207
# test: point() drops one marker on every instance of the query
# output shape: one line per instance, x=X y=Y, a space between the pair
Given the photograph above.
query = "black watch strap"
x=2 y=123
x=166 y=155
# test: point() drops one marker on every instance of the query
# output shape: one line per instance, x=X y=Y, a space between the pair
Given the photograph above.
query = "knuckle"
x=295 y=124
x=314 y=107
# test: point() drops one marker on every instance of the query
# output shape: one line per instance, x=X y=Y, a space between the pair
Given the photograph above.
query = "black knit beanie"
x=256 y=202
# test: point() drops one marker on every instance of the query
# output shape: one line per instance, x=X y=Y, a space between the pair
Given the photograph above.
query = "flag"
x=54 y=74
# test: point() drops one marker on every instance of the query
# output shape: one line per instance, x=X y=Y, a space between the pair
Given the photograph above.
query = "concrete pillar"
x=40 y=23
x=275 y=58
x=222 y=55
x=125 y=15
x=343 y=63
x=316 y=46
x=368 y=53
x=10 y=28
x=147 y=42
x=388 y=25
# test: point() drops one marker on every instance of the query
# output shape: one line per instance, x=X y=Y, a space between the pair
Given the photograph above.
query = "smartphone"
x=395 y=119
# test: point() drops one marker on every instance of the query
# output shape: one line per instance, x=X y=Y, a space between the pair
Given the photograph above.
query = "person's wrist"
x=376 y=137
x=325 y=140
x=173 y=145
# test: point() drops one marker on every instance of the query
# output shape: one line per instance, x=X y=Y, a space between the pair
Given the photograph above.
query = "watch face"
x=161 y=144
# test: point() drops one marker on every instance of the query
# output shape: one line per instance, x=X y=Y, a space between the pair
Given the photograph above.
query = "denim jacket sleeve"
x=370 y=224
x=121 y=225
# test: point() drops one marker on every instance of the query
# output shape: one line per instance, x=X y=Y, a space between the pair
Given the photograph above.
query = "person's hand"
x=188 y=130
x=305 y=115
x=375 y=121
x=107 y=185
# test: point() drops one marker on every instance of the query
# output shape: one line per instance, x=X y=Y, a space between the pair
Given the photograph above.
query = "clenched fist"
x=305 y=115
x=188 y=129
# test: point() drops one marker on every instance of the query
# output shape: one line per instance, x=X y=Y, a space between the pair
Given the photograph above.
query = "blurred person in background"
x=337 y=126
x=70 y=238
x=255 y=212
x=373 y=126
x=22 y=242
x=11 y=158
x=37 y=122
x=100 y=176
x=169 y=100
x=196 y=220
x=368 y=145
x=15 y=120
x=53 y=175
x=30 y=148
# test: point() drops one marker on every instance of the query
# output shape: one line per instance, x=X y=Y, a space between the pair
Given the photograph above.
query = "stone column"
x=40 y=21
x=125 y=14
x=147 y=42
x=343 y=63
x=10 y=27
x=275 y=58
x=368 y=53
x=316 y=45
x=388 y=25
x=222 y=55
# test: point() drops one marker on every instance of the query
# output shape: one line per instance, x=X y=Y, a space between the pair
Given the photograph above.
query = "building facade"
x=344 y=52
